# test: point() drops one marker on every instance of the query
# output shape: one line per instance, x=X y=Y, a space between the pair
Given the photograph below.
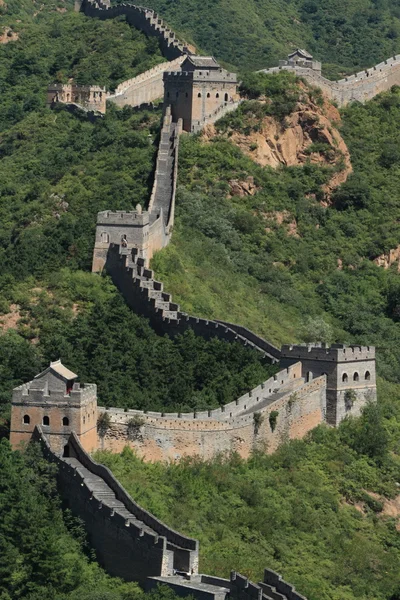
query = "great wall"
x=315 y=384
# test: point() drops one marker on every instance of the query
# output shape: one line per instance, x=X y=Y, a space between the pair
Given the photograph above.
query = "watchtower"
x=91 y=97
x=198 y=91
x=350 y=373
x=59 y=404
x=128 y=229
x=302 y=59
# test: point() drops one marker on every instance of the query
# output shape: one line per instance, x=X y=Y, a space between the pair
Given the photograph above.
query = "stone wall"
x=144 y=88
x=300 y=407
x=144 y=19
x=361 y=86
x=129 y=541
x=146 y=297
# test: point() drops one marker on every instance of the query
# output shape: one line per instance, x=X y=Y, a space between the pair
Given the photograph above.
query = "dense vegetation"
x=44 y=552
x=231 y=258
x=255 y=34
x=314 y=511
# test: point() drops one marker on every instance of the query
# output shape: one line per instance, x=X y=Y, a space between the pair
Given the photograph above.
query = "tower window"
x=186 y=94
x=199 y=95
x=226 y=97
x=177 y=94
x=65 y=421
x=167 y=94
x=367 y=376
x=27 y=419
x=46 y=421
x=345 y=378
x=356 y=377
x=217 y=95
x=208 y=95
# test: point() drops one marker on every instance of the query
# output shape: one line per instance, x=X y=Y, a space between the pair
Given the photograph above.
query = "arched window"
x=199 y=95
x=356 y=377
x=186 y=94
x=65 y=421
x=345 y=378
x=226 y=97
x=167 y=94
x=367 y=376
x=66 y=450
x=27 y=419
x=105 y=238
x=67 y=97
x=177 y=94
x=46 y=421
x=208 y=95
x=309 y=376
x=217 y=95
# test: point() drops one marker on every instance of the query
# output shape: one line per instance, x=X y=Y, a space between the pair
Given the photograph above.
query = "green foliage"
x=258 y=420
x=103 y=424
x=251 y=34
x=44 y=553
x=312 y=510
x=273 y=419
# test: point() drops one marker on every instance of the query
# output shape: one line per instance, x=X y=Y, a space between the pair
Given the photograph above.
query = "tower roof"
x=201 y=62
x=302 y=53
x=59 y=369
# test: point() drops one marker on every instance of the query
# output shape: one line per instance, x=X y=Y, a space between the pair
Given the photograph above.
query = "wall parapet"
x=361 y=86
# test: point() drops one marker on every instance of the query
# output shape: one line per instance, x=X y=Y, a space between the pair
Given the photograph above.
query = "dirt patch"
x=8 y=35
x=284 y=218
x=11 y=319
x=61 y=10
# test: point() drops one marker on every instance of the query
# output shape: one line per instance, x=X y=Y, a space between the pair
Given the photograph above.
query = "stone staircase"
x=102 y=492
x=162 y=193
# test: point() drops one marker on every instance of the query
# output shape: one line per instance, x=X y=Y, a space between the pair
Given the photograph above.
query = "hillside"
x=311 y=273
x=271 y=241
x=252 y=34
x=322 y=511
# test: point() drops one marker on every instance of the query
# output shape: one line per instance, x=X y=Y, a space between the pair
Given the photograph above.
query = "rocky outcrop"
x=389 y=259
x=309 y=133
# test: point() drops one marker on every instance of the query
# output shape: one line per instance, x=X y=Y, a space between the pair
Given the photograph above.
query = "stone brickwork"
x=141 y=18
x=144 y=88
x=350 y=372
x=133 y=544
x=241 y=426
x=56 y=402
x=90 y=97
x=144 y=231
x=199 y=91
x=359 y=87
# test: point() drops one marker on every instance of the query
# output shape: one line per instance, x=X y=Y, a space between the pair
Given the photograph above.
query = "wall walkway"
x=133 y=544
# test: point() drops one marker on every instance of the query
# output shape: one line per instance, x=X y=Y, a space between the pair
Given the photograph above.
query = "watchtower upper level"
x=59 y=404
x=198 y=91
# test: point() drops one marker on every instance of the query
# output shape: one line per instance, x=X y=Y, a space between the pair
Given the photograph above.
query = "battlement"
x=134 y=218
x=76 y=396
x=336 y=352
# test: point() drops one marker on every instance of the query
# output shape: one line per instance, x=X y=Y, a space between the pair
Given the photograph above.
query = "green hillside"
x=255 y=34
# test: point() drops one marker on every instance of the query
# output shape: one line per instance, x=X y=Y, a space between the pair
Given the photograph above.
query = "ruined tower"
x=59 y=404
x=199 y=91
x=350 y=373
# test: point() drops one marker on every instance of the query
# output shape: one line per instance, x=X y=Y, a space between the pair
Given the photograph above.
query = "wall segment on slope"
x=361 y=86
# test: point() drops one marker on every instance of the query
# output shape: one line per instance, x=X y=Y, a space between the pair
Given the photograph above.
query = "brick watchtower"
x=350 y=373
x=199 y=91
x=59 y=404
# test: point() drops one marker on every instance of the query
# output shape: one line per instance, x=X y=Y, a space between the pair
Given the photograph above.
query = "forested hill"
x=253 y=34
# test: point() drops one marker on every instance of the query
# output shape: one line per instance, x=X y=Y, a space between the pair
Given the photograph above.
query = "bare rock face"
x=387 y=260
x=8 y=35
x=309 y=133
x=243 y=188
